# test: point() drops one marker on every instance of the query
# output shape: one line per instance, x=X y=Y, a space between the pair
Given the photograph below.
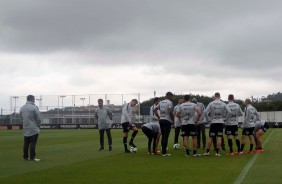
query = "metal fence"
x=72 y=109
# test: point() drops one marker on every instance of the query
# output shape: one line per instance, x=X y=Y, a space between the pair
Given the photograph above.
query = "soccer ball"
x=133 y=149
x=176 y=146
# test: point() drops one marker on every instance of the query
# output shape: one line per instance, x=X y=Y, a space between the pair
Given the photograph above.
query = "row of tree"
x=270 y=103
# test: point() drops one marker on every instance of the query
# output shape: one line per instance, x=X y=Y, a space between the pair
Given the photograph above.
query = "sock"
x=208 y=150
x=251 y=147
x=238 y=144
x=133 y=136
x=230 y=144
x=242 y=147
x=187 y=151
x=217 y=150
x=194 y=152
x=125 y=143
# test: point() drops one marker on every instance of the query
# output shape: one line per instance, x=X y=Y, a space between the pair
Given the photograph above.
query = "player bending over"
x=151 y=130
x=260 y=128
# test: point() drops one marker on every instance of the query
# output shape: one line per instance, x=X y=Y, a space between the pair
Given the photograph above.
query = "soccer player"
x=260 y=128
x=166 y=120
x=201 y=127
x=217 y=110
x=177 y=122
x=154 y=118
x=151 y=130
x=231 y=126
x=250 y=117
x=186 y=111
x=104 y=116
x=31 y=127
x=214 y=139
x=126 y=122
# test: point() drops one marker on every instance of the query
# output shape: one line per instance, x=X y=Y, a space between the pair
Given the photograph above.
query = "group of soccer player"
x=188 y=115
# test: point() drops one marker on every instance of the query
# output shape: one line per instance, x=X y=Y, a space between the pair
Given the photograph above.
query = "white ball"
x=133 y=149
x=176 y=146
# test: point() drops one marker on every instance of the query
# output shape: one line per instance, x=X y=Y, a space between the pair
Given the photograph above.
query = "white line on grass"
x=245 y=171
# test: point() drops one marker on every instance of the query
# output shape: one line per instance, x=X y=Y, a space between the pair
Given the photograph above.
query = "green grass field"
x=72 y=156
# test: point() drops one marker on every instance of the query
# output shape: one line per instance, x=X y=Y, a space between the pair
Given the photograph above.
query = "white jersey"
x=187 y=111
x=153 y=126
x=218 y=112
x=251 y=116
x=153 y=117
x=202 y=109
x=236 y=112
x=126 y=115
x=164 y=106
x=259 y=124
x=177 y=122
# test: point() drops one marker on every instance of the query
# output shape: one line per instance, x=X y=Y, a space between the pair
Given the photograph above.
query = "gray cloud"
x=216 y=40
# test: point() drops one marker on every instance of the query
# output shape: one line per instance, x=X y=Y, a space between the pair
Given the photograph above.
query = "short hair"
x=194 y=100
x=230 y=97
x=217 y=94
x=30 y=98
x=187 y=97
x=156 y=99
x=134 y=100
x=169 y=94
x=100 y=99
x=248 y=101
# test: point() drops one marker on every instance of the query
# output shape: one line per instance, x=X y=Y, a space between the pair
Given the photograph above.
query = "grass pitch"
x=72 y=156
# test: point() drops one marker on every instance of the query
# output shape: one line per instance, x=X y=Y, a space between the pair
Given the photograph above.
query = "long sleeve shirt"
x=153 y=117
x=236 y=112
x=126 y=115
x=31 y=119
x=250 y=116
x=103 y=116
x=218 y=112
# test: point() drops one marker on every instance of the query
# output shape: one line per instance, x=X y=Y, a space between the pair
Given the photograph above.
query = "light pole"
x=39 y=102
x=82 y=99
x=15 y=109
x=62 y=97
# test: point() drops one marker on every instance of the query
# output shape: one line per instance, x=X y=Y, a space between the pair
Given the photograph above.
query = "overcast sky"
x=65 y=47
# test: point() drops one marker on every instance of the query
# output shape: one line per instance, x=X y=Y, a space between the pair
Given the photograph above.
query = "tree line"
x=272 y=102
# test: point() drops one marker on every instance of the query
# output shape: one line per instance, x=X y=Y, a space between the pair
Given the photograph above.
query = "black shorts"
x=231 y=130
x=188 y=130
x=149 y=133
x=126 y=127
x=216 y=129
x=248 y=131
x=265 y=127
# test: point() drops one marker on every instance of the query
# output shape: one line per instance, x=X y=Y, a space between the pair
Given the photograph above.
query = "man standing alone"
x=104 y=116
x=31 y=127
